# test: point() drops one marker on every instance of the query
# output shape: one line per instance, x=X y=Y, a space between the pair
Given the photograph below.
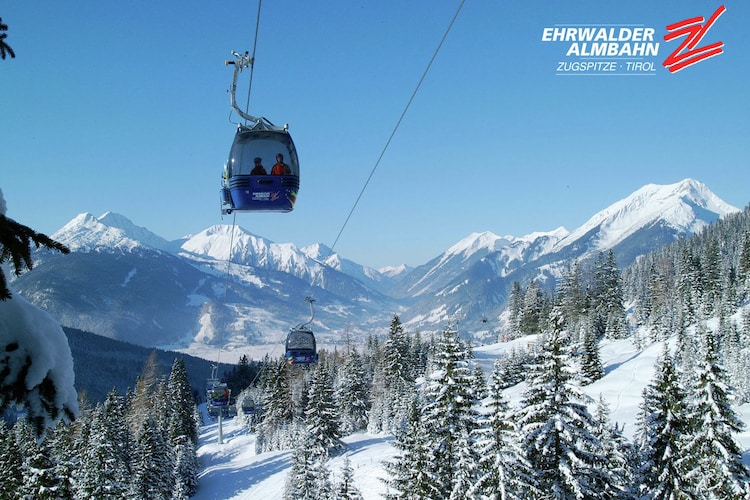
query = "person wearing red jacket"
x=280 y=168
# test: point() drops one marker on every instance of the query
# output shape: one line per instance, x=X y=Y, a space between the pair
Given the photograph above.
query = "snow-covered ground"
x=232 y=470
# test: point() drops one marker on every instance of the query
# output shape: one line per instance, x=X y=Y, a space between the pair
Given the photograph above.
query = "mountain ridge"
x=225 y=286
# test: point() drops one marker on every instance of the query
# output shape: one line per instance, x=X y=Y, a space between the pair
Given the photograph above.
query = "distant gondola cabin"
x=300 y=346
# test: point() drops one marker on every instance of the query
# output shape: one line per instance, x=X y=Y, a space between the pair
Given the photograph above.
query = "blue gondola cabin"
x=272 y=189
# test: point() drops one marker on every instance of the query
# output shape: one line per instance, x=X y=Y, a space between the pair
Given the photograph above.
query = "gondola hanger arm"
x=241 y=61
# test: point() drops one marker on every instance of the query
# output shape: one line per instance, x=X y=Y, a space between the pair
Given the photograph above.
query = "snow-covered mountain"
x=86 y=232
x=220 y=288
x=471 y=280
x=225 y=287
x=381 y=280
x=665 y=212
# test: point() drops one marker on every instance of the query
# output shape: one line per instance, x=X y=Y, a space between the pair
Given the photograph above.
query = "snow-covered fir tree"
x=352 y=394
x=104 y=470
x=660 y=439
x=65 y=457
x=181 y=409
x=276 y=429
x=309 y=477
x=556 y=425
x=409 y=472
x=10 y=460
x=345 y=489
x=393 y=380
x=321 y=415
x=503 y=471
x=450 y=417
x=572 y=296
x=40 y=480
x=153 y=464
x=533 y=309
x=714 y=463
x=591 y=362
x=186 y=468
x=515 y=310
x=616 y=454
x=607 y=300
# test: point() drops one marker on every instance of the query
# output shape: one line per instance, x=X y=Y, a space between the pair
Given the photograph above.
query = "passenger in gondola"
x=258 y=169
x=280 y=168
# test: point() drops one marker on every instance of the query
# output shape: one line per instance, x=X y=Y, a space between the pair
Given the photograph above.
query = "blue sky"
x=123 y=107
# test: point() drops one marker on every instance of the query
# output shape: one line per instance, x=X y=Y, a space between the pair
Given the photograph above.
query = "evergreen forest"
x=457 y=433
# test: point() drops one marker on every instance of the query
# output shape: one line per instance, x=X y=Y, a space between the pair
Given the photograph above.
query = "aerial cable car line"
x=312 y=346
x=217 y=392
x=252 y=58
x=398 y=123
x=248 y=139
x=297 y=351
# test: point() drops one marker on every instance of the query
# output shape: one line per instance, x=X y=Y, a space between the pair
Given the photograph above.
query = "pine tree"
x=308 y=478
x=711 y=276
x=186 y=468
x=351 y=395
x=80 y=442
x=615 y=452
x=556 y=425
x=743 y=269
x=409 y=472
x=278 y=410
x=40 y=480
x=321 y=415
x=690 y=285
x=35 y=467
x=503 y=471
x=532 y=311
x=153 y=465
x=450 y=417
x=182 y=405
x=64 y=455
x=591 y=363
x=571 y=293
x=346 y=489
x=104 y=470
x=714 y=459
x=10 y=461
x=394 y=376
x=515 y=307
x=396 y=355
x=607 y=298
x=662 y=423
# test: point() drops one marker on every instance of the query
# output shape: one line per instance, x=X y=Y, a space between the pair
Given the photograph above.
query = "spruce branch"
x=15 y=245
x=4 y=47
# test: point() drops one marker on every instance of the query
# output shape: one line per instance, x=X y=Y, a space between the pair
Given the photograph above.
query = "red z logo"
x=694 y=32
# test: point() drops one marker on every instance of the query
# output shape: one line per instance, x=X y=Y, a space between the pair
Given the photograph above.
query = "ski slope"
x=232 y=470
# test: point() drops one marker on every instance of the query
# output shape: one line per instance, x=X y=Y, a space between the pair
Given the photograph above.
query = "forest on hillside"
x=456 y=433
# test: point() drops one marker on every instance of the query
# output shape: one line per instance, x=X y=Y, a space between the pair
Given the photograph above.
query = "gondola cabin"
x=217 y=397
x=262 y=172
x=248 y=406
x=300 y=346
